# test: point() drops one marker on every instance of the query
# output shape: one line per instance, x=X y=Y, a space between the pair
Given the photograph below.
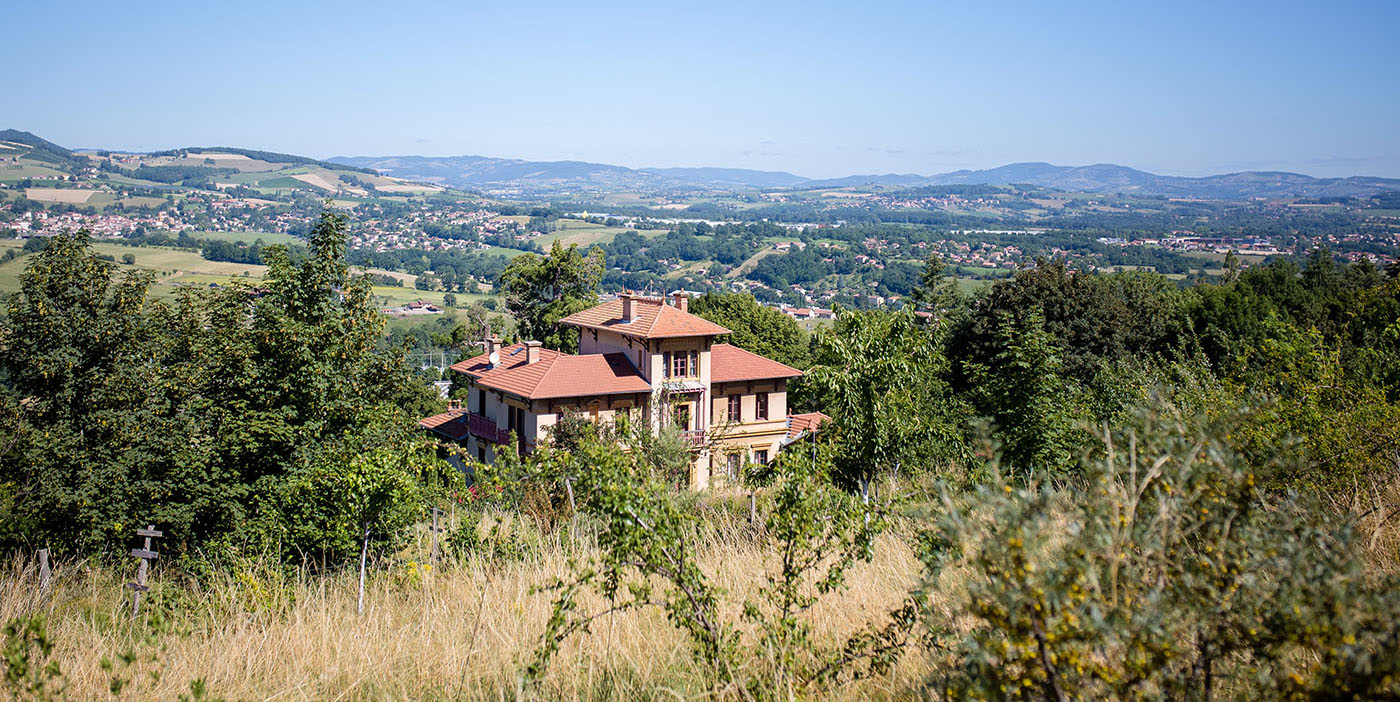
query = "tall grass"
x=463 y=629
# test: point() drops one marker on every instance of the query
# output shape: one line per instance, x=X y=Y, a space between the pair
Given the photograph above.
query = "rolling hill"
x=562 y=177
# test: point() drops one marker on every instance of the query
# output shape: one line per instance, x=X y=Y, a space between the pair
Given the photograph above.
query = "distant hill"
x=544 y=176
x=562 y=177
x=41 y=149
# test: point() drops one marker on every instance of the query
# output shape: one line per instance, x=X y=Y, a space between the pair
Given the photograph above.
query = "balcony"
x=695 y=437
x=485 y=429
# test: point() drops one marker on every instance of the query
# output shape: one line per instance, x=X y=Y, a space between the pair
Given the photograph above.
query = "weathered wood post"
x=44 y=573
x=146 y=555
x=569 y=489
x=436 y=529
x=364 y=553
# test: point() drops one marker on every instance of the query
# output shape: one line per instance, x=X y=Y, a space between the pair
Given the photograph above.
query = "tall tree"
x=762 y=330
x=541 y=290
x=882 y=377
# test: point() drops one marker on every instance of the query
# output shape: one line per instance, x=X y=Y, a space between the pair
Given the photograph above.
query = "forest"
x=1068 y=485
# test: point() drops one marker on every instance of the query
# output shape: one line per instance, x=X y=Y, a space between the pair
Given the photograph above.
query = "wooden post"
x=436 y=529
x=44 y=573
x=364 y=553
x=569 y=488
x=146 y=555
x=753 y=508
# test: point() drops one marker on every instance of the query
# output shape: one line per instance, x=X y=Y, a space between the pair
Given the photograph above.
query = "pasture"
x=67 y=196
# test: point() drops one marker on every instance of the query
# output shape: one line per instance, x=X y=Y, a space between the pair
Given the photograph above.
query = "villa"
x=637 y=355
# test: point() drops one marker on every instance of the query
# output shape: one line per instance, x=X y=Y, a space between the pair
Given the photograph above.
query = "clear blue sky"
x=814 y=88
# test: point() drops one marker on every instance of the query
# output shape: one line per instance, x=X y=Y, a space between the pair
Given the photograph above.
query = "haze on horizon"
x=821 y=90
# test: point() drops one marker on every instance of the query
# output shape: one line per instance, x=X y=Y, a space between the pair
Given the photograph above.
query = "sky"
x=818 y=89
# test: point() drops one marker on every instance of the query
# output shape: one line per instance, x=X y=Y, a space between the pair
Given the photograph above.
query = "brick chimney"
x=532 y=352
x=681 y=300
x=628 y=312
x=493 y=347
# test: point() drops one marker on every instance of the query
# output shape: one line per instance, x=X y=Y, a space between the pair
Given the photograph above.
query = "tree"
x=541 y=290
x=762 y=330
x=129 y=258
x=937 y=289
x=882 y=377
x=426 y=281
x=1034 y=410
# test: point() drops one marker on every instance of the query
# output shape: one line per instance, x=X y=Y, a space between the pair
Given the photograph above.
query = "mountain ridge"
x=542 y=176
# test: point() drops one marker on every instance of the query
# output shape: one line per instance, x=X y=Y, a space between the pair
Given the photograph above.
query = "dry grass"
x=464 y=630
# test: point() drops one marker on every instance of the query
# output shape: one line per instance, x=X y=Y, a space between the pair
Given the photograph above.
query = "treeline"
x=455 y=270
x=269 y=417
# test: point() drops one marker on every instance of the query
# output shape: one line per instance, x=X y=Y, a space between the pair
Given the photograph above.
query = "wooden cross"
x=146 y=555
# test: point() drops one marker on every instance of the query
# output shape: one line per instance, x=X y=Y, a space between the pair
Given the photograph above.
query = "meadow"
x=462 y=629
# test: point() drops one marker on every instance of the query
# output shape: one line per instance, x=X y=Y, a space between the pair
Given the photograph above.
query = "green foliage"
x=647 y=540
x=1034 y=410
x=30 y=673
x=1166 y=574
x=882 y=377
x=192 y=413
x=333 y=502
x=757 y=328
x=541 y=290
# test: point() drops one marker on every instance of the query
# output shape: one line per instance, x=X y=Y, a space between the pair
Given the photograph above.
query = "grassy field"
x=463 y=630
x=585 y=234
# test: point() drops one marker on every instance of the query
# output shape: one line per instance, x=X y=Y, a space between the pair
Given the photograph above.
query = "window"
x=762 y=412
x=760 y=457
x=480 y=401
x=735 y=412
x=732 y=464
x=666 y=364
x=681 y=364
x=481 y=454
x=682 y=417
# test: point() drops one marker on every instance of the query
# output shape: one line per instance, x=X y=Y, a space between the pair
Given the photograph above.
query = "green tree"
x=541 y=290
x=1034 y=409
x=882 y=377
x=762 y=330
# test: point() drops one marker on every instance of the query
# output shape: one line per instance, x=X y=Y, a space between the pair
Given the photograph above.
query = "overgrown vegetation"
x=1069 y=486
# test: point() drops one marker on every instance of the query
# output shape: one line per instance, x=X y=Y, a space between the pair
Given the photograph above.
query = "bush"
x=1166 y=575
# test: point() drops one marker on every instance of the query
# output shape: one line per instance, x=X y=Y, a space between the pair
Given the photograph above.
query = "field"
x=462 y=630
x=177 y=267
x=67 y=196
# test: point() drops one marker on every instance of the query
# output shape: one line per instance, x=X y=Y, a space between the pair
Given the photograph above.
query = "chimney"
x=681 y=300
x=627 y=311
x=532 y=352
x=493 y=346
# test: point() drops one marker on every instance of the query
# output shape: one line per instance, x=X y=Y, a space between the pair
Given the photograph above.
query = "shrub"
x=1166 y=575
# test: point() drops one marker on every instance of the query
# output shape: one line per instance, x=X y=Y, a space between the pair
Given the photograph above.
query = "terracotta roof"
x=798 y=423
x=652 y=319
x=451 y=424
x=729 y=363
x=555 y=374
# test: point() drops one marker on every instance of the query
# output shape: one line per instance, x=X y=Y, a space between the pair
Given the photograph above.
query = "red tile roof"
x=652 y=319
x=798 y=423
x=729 y=363
x=555 y=374
x=451 y=424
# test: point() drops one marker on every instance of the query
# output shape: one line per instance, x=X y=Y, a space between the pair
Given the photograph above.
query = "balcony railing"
x=485 y=429
x=695 y=437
